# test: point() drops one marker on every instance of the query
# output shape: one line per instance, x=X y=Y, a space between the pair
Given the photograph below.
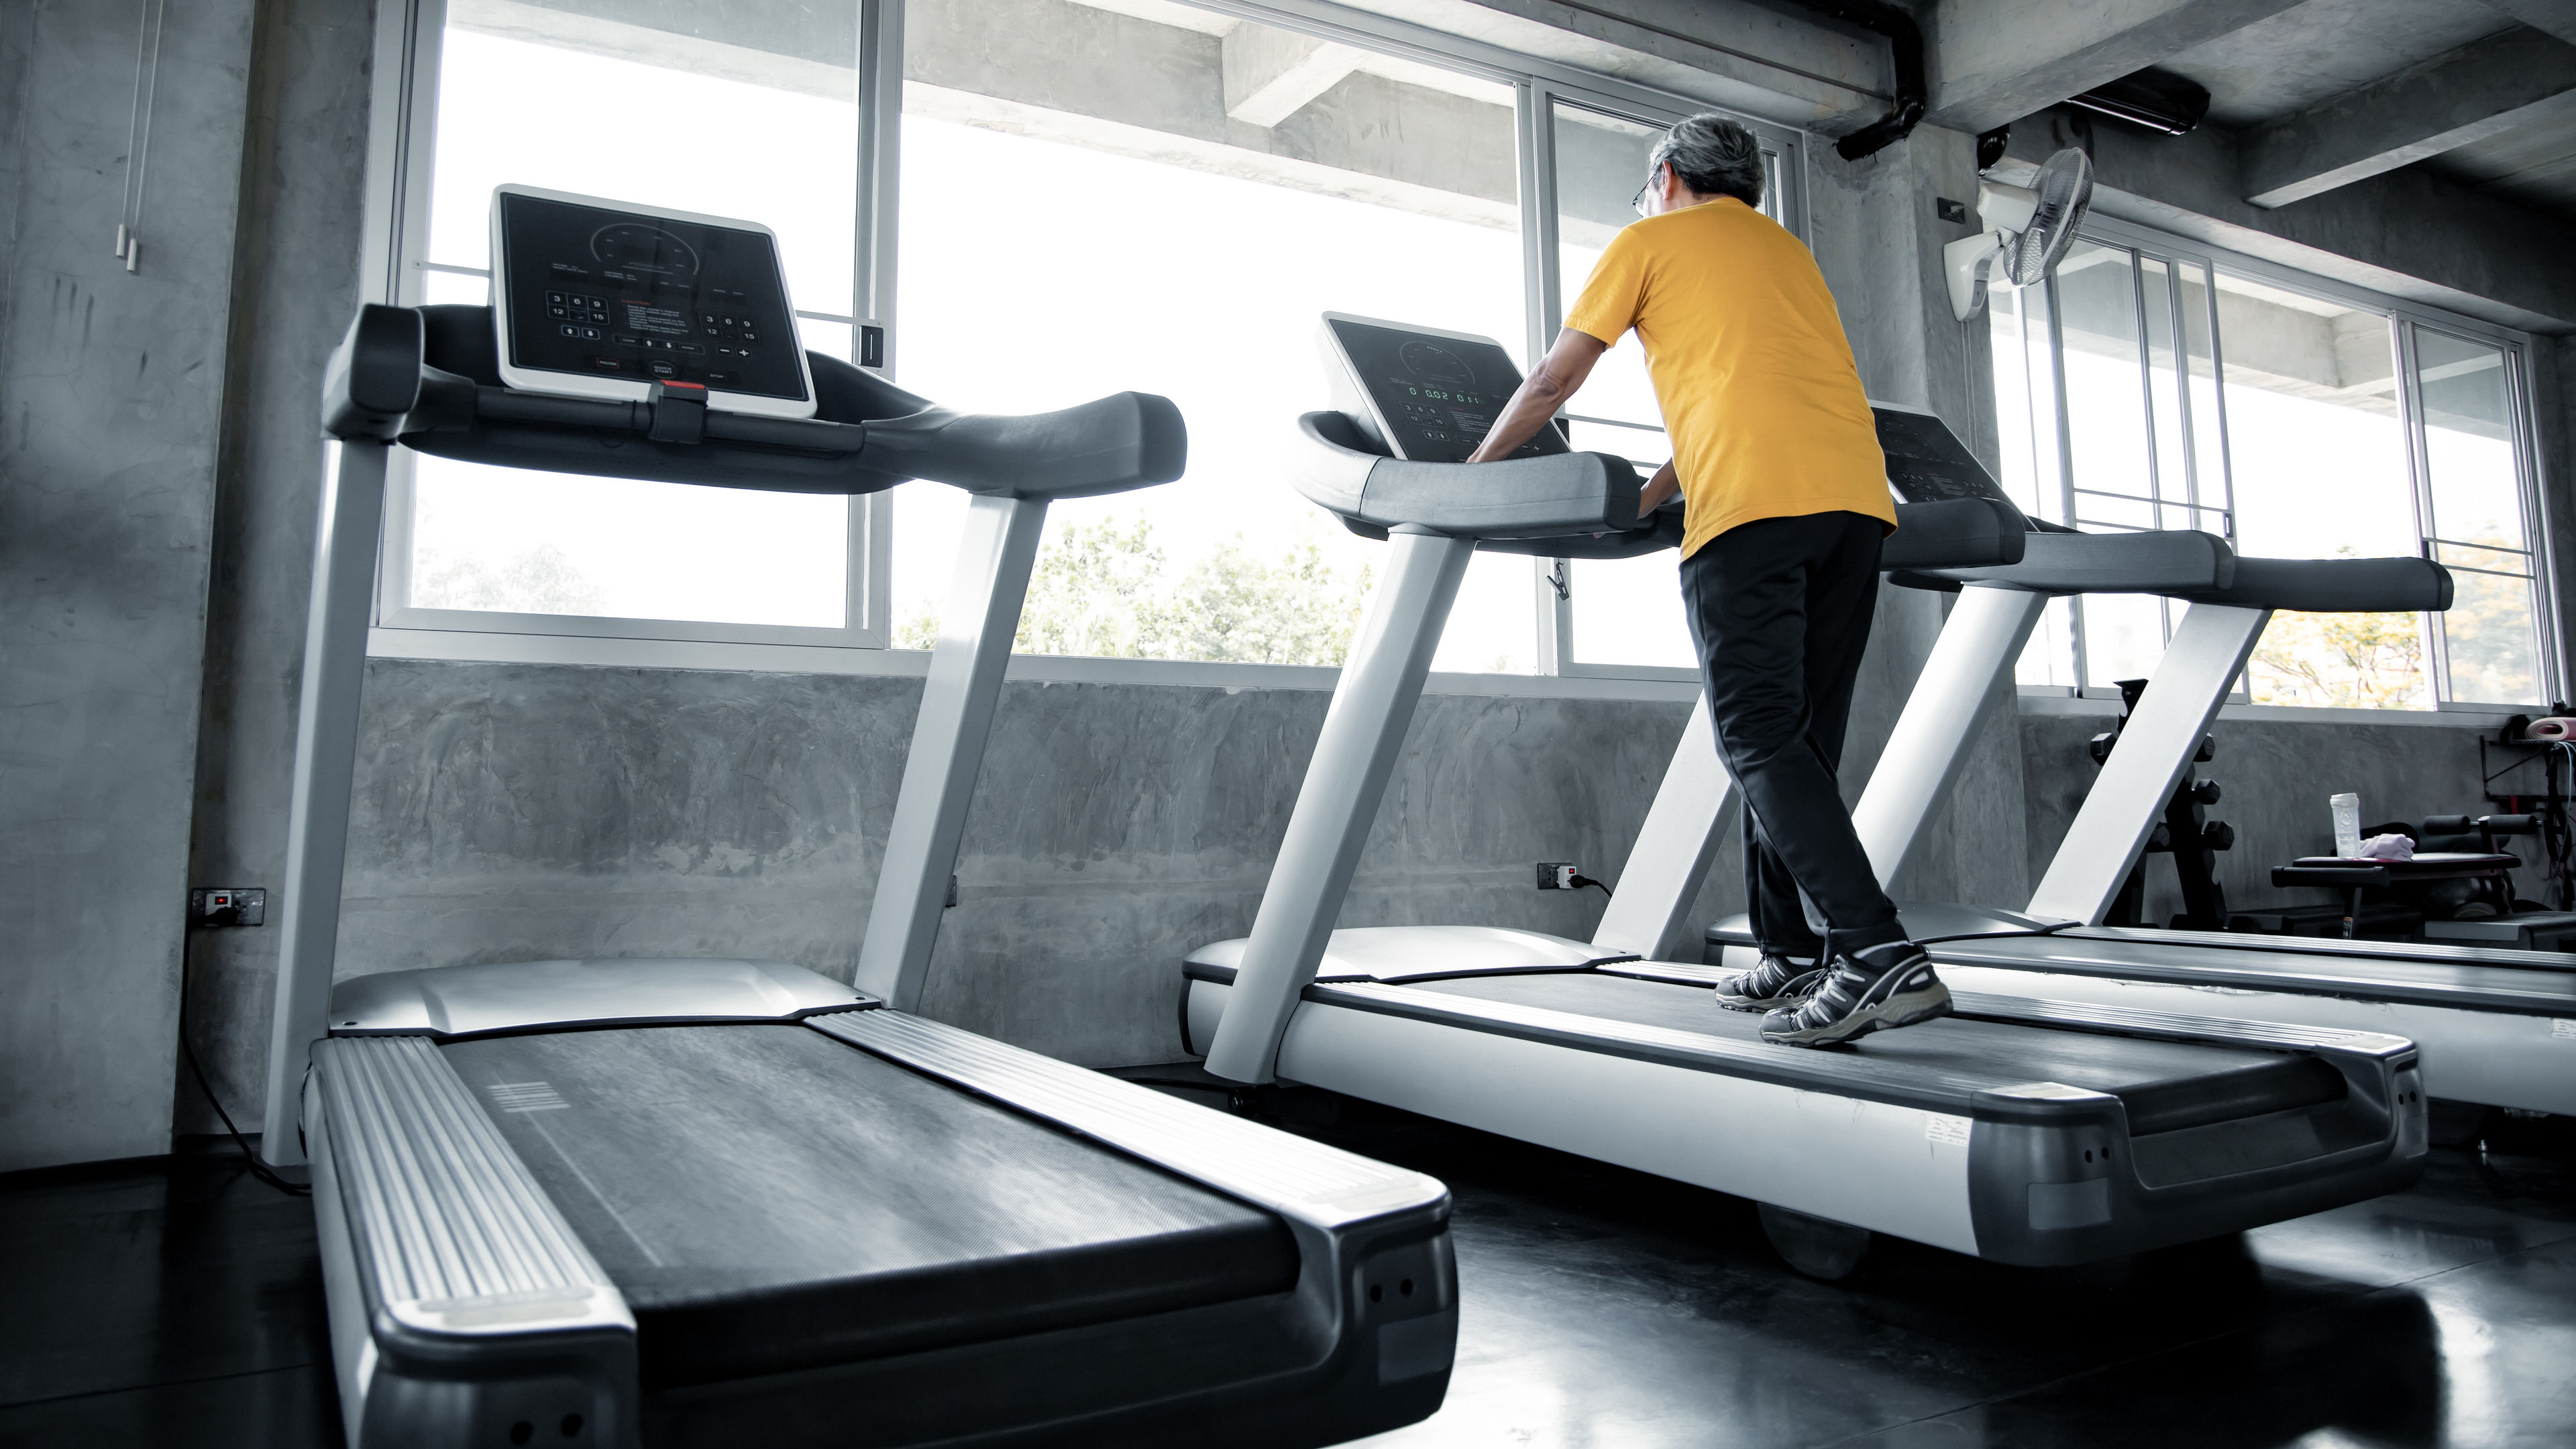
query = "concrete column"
x=293 y=293
x=114 y=382
x=1878 y=237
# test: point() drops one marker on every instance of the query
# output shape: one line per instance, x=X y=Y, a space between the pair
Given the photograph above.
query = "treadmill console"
x=1926 y=462
x=1422 y=394
x=603 y=299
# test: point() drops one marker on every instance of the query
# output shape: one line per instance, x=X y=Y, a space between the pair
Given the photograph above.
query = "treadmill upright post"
x=1953 y=698
x=2163 y=733
x=1363 y=732
x=1650 y=910
x=994 y=556
x=326 y=758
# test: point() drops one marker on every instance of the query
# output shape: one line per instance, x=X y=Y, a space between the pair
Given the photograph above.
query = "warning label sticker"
x=1942 y=1128
x=2562 y=1028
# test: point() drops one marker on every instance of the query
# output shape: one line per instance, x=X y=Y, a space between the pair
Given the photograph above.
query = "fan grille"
x=2065 y=191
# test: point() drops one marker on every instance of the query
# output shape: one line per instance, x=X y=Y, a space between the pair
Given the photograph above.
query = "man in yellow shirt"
x=1785 y=505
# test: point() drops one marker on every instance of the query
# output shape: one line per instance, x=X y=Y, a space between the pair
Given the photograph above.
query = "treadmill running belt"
x=769 y=1198
x=2164 y=1085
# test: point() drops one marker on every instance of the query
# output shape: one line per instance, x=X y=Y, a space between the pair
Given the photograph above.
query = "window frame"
x=395 y=269
x=2404 y=317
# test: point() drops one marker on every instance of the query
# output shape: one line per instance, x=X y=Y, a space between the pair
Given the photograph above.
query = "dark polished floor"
x=179 y=1302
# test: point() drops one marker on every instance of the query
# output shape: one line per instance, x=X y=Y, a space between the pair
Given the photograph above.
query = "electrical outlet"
x=1556 y=875
x=228 y=906
x=1955 y=212
x=952 y=894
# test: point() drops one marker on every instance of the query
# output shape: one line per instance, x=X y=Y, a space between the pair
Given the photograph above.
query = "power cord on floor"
x=188 y=1049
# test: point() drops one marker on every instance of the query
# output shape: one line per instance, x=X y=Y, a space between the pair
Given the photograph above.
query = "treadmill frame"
x=2036 y=1173
x=2028 y=1173
x=462 y=1302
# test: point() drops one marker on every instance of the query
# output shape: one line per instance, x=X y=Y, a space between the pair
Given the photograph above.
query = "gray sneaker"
x=1774 y=981
x=1871 y=990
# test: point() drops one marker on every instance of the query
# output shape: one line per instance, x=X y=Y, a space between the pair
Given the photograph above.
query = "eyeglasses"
x=1637 y=203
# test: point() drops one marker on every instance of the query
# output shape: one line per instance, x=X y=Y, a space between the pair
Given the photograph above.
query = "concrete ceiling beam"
x=2511 y=79
x=1270 y=74
x=2556 y=17
x=1995 y=60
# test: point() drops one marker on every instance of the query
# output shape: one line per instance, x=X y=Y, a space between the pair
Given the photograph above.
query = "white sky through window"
x=1036 y=275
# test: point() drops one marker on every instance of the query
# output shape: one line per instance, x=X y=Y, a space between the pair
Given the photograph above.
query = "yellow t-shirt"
x=1758 y=387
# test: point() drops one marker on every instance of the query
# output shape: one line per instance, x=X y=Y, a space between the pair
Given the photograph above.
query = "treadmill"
x=2494 y=1027
x=2036 y=1132
x=681 y=1202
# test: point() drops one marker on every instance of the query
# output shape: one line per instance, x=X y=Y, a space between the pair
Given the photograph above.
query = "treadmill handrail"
x=2151 y=562
x=2332 y=586
x=430 y=380
x=1555 y=495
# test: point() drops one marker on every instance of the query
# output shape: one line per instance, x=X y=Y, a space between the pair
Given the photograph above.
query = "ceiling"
x=2355 y=57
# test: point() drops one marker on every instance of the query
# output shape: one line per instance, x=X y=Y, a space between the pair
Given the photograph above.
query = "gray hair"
x=1714 y=157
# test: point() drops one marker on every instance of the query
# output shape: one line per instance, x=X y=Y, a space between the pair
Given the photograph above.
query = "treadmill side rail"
x=480 y=1307
x=1298 y=1179
x=1376 y=1277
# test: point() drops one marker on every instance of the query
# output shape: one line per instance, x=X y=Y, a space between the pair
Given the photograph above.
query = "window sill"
x=563 y=649
x=2055 y=702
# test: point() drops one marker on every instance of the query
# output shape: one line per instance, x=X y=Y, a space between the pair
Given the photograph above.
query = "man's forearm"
x=1533 y=403
x=1558 y=376
x=1662 y=486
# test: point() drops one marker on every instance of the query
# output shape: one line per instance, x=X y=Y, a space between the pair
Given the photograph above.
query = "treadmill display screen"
x=631 y=295
x=1926 y=461
x=1436 y=396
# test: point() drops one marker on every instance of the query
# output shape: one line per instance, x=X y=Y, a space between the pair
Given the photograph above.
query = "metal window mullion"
x=1541 y=290
x=2182 y=382
x=401 y=167
x=1534 y=134
x=2548 y=637
x=2218 y=400
x=2419 y=479
x=2065 y=467
x=875 y=245
x=2155 y=499
x=2146 y=372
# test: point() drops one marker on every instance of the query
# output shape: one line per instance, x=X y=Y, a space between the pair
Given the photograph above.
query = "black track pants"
x=1780 y=610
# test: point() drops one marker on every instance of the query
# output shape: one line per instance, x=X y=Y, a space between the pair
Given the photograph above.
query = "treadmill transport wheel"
x=1818 y=1247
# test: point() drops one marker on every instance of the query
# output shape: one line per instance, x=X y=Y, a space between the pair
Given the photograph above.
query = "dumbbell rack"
x=2186 y=833
x=2557 y=781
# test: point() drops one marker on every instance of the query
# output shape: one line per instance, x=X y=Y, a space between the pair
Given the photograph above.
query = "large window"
x=2147 y=386
x=518 y=88
x=1170 y=215
x=1618 y=614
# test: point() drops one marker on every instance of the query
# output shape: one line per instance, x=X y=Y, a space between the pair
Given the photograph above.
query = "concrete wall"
x=513 y=812
x=2275 y=777
x=110 y=389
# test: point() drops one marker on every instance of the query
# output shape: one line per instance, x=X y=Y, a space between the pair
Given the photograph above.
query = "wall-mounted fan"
x=2028 y=230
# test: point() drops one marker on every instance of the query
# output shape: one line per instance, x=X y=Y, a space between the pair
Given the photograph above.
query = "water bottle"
x=2347 y=825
